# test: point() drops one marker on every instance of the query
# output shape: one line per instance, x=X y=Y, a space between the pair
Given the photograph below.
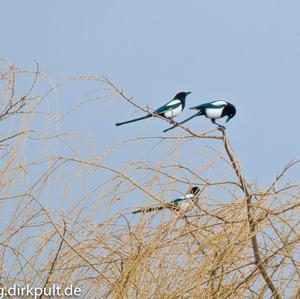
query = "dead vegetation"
x=61 y=225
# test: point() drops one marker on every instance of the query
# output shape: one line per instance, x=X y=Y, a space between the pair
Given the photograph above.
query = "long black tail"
x=184 y=121
x=146 y=210
x=133 y=120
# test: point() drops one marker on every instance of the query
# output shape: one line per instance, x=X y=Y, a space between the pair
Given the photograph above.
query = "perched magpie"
x=169 y=110
x=181 y=204
x=212 y=110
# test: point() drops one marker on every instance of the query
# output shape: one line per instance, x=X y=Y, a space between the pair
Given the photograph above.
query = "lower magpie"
x=212 y=110
x=181 y=204
x=169 y=110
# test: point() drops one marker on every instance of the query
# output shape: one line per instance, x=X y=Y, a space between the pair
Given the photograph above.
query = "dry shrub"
x=60 y=225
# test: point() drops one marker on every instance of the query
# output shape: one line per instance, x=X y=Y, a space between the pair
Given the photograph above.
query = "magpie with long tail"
x=169 y=110
x=181 y=204
x=213 y=110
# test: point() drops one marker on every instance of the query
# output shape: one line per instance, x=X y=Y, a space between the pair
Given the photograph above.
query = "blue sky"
x=246 y=52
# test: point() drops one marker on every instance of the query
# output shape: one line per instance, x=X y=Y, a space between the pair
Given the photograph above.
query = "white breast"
x=213 y=113
x=174 y=112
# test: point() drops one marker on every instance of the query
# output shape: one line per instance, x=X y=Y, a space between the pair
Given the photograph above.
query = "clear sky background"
x=246 y=52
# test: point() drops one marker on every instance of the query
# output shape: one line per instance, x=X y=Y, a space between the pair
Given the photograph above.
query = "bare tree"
x=60 y=225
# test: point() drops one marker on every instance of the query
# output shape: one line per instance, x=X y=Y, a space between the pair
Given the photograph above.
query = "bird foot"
x=221 y=128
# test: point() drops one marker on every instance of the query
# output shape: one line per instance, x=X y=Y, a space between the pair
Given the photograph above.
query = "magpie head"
x=231 y=111
x=195 y=190
x=181 y=95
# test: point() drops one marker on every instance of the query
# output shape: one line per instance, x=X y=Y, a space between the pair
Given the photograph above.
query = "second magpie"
x=213 y=110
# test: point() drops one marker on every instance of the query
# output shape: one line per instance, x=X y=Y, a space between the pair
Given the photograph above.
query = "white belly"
x=213 y=112
x=185 y=205
x=174 y=112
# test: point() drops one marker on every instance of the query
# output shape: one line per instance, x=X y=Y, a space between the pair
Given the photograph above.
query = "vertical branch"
x=54 y=261
x=251 y=221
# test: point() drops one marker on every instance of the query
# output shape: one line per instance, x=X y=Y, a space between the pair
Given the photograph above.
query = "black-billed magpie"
x=169 y=110
x=181 y=204
x=213 y=111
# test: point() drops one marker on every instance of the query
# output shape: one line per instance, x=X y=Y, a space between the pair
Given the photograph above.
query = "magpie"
x=213 y=111
x=169 y=110
x=181 y=204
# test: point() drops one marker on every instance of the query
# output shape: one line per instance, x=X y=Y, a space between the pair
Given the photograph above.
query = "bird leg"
x=170 y=120
x=173 y=122
x=220 y=127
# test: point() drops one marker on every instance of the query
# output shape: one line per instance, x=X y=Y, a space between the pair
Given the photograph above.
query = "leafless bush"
x=61 y=226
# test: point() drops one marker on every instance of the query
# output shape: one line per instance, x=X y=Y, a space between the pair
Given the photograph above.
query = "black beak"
x=228 y=119
x=187 y=93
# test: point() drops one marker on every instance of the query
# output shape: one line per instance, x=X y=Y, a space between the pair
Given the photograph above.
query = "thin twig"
x=55 y=259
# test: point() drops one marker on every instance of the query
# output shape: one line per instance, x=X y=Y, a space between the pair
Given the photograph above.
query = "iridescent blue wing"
x=214 y=104
x=173 y=104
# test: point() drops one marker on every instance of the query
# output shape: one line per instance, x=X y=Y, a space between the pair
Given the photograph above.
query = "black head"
x=182 y=95
x=195 y=190
x=230 y=111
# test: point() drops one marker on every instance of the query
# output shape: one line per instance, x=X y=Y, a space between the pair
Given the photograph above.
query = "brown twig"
x=251 y=220
x=55 y=258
